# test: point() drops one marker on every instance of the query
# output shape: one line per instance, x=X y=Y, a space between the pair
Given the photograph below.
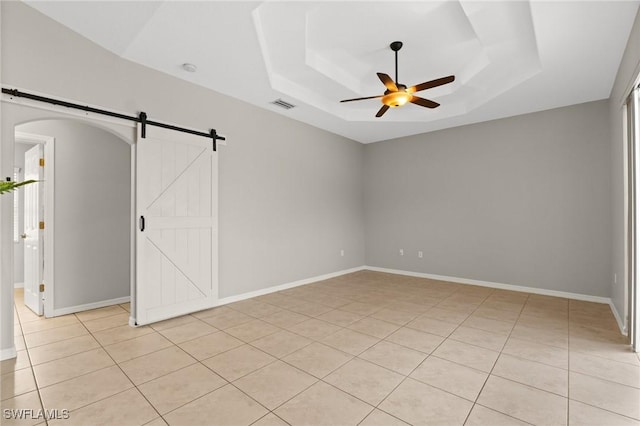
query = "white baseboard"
x=511 y=287
x=18 y=285
x=616 y=315
x=89 y=306
x=262 y=292
x=8 y=353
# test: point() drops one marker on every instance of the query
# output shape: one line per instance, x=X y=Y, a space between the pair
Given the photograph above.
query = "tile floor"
x=366 y=348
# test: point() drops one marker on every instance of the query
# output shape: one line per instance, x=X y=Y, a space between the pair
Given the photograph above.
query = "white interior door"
x=33 y=215
x=177 y=235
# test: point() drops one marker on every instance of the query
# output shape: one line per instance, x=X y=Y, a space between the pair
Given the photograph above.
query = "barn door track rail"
x=141 y=118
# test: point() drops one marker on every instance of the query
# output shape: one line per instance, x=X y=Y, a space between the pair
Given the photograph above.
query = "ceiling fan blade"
x=430 y=84
x=362 y=99
x=382 y=111
x=388 y=82
x=423 y=102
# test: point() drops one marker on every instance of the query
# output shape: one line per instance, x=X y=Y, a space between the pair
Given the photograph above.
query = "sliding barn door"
x=177 y=235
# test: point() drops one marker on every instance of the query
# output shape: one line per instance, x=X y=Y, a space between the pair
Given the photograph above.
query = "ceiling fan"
x=398 y=94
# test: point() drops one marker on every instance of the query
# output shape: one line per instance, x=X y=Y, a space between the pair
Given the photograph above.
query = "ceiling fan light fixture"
x=396 y=99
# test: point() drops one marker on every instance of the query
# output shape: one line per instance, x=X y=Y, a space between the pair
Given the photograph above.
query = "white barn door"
x=177 y=229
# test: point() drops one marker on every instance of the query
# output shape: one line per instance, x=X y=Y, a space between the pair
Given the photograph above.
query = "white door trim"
x=49 y=197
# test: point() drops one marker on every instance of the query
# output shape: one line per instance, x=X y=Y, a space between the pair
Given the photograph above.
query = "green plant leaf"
x=12 y=186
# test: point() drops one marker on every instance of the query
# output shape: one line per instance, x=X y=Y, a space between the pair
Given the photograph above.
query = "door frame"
x=48 y=143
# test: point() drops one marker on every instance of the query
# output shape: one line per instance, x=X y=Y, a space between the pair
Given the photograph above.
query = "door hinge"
x=42 y=162
x=41 y=288
x=41 y=225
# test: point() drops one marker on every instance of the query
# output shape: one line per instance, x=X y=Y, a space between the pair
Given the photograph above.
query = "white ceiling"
x=509 y=57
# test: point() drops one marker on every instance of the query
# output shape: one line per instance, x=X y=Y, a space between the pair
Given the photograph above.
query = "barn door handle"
x=141 y=223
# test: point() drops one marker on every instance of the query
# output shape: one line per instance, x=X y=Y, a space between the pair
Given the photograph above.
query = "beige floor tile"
x=71 y=366
x=173 y=322
x=210 y=345
x=227 y=405
x=254 y=308
x=100 y=313
x=282 y=300
x=603 y=394
x=54 y=335
x=14 y=364
x=156 y=364
x=136 y=347
x=26 y=401
x=613 y=351
x=488 y=324
x=86 y=389
x=19 y=342
x=323 y=404
x=238 y=362
x=433 y=326
x=16 y=383
x=128 y=408
x=394 y=357
x=274 y=384
x=314 y=329
x=552 y=323
x=270 y=420
x=586 y=415
x=360 y=308
x=212 y=311
x=440 y=314
x=613 y=371
x=49 y=323
x=350 y=341
x=105 y=323
x=550 y=355
x=310 y=309
x=420 y=404
x=394 y=316
x=317 y=359
x=469 y=355
x=549 y=337
x=534 y=374
x=380 y=418
x=120 y=334
x=340 y=318
x=364 y=380
x=189 y=331
x=457 y=379
x=483 y=416
x=156 y=422
x=496 y=314
x=374 y=327
x=169 y=392
x=414 y=339
x=285 y=318
x=481 y=338
x=252 y=330
x=506 y=397
x=53 y=351
x=281 y=344
x=223 y=319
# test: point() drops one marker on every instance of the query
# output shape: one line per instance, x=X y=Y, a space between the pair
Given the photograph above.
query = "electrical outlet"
x=420 y=254
x=341 y=252
x=401 y=252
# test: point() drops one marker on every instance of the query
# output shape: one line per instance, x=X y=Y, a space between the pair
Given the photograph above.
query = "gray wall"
x=18 y=247
x=290 y=194
x=629 y=69
x=522 y=200
x=92 y=212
